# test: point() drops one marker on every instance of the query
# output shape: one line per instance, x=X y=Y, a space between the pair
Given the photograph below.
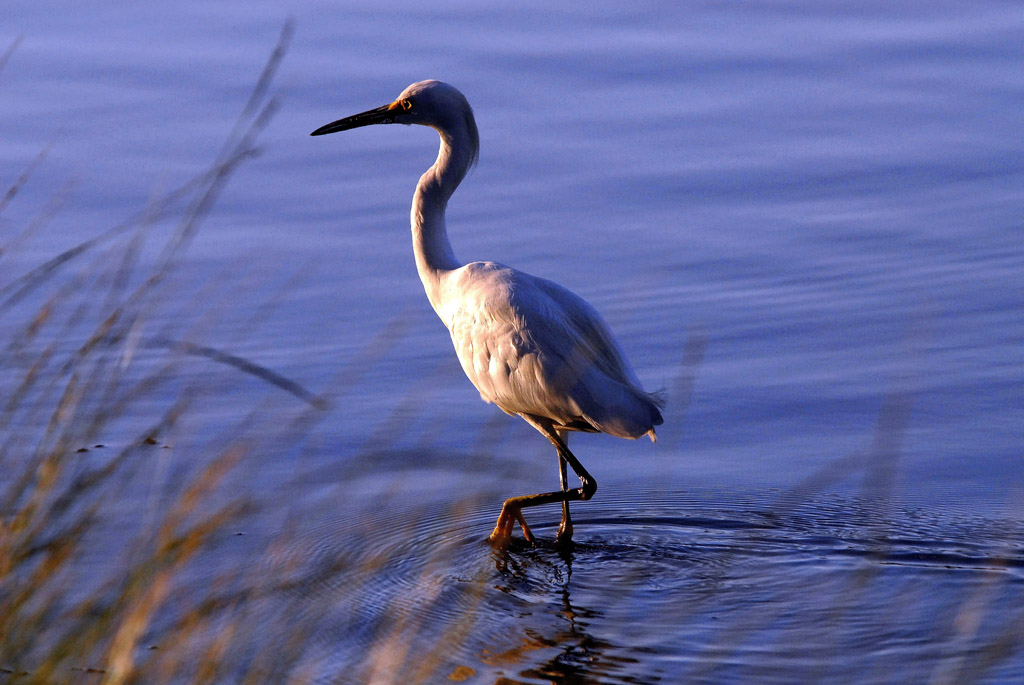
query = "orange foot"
x=502 y=533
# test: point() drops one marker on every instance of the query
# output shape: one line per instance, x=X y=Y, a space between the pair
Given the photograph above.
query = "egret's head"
x=428 y=103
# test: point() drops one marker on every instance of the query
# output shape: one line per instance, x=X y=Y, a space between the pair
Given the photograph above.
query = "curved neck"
x=434 y=256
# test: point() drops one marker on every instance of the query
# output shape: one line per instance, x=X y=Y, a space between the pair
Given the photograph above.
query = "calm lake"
x=802 y=220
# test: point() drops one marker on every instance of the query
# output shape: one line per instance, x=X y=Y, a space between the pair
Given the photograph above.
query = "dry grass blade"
x=245 y=366
x=25 y=175
x=67 y=383
x=10 y=51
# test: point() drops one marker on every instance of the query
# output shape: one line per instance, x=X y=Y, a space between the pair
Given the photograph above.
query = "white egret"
x=529 y=345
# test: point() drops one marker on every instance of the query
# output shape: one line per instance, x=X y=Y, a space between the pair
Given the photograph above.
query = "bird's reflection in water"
x=576 y=654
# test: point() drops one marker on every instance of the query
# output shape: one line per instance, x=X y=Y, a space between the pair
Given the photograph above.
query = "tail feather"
x=657 y=403
x=617 y=408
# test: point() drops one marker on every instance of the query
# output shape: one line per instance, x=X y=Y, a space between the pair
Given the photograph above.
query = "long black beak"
x=381 y=115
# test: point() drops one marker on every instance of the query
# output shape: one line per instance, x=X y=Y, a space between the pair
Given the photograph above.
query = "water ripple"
x=658 y=588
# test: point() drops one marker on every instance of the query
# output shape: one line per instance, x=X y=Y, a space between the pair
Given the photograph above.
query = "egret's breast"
x=490 y=351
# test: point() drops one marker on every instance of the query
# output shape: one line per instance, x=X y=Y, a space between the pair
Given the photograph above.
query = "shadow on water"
x=659 y=588
x=706 y=585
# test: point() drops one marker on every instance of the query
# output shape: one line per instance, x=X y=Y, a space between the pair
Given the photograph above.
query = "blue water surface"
x=801 y=219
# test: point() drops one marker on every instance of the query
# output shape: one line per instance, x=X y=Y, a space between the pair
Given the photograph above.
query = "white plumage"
x=530 y=346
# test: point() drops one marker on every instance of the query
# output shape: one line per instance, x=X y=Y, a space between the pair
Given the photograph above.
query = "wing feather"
x=531 y=346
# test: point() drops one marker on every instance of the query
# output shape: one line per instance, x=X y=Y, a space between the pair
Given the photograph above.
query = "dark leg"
x=511 y=511
x=565 y=528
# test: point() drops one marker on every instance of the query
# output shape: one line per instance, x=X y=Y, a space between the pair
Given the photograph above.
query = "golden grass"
x=72 y=373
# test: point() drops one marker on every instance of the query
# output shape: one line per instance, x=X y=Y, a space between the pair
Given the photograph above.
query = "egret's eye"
x=405 y=104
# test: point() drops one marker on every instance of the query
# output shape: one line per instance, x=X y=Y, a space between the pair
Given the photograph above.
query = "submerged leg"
x=511 y=511
x=564 y=534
